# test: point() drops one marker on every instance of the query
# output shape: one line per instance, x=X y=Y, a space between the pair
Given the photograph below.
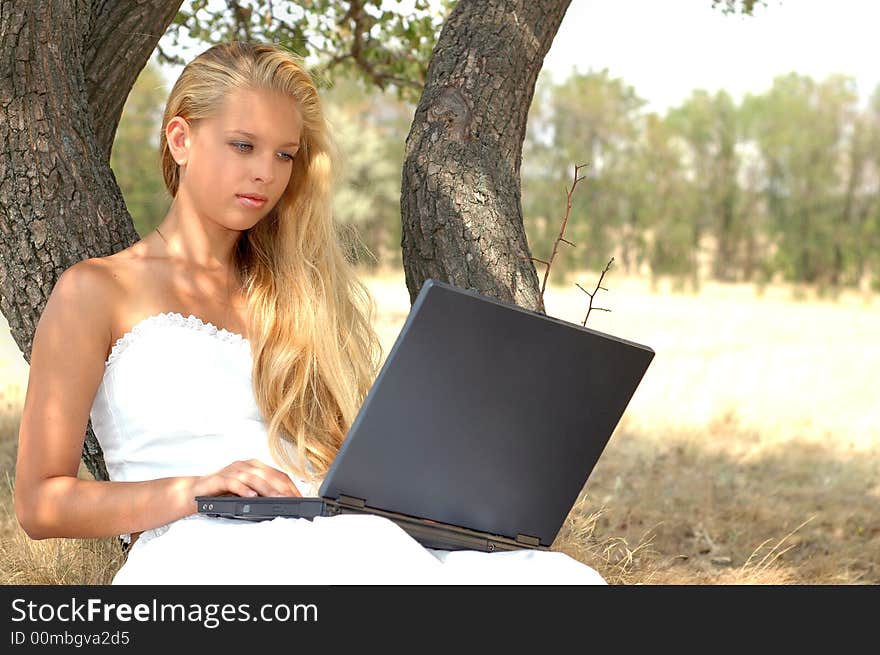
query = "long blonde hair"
x=310 y=319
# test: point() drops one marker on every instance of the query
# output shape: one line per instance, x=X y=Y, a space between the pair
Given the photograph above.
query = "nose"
x=263 y=169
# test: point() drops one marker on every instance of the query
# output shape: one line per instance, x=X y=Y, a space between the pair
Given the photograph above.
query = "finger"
x=280 y=480
x=253 y=473
x=287 y=485
x=240 y=488
x=255 y=482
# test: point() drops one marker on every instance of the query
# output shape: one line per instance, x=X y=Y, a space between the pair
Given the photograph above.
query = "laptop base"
x=430 y=534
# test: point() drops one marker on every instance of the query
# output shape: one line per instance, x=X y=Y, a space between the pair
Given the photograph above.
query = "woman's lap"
x=345 y=549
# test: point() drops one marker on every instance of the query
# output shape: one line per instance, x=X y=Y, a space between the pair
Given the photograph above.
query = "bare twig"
x=548 y=263
x=574 y=182
x=595 y=291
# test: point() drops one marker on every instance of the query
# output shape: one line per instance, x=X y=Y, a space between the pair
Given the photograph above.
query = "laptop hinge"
x=351 y=501
x=528 y=540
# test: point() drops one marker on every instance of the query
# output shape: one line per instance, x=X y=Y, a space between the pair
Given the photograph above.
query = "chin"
x=242 y=223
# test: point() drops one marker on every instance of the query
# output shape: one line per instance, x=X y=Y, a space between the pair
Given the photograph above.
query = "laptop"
x=479 y=431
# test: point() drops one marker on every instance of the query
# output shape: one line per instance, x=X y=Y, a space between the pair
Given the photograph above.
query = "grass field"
x=749 y=454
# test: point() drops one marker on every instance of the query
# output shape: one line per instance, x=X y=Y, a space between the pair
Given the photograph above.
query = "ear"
x=177 y=134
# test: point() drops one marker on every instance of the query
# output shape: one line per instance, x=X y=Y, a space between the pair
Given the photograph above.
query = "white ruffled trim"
x=165 y=319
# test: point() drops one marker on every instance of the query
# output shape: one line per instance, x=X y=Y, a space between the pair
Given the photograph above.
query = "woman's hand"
x=245 y=478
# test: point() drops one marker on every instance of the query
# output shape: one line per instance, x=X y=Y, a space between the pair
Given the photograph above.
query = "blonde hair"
x=310 y=319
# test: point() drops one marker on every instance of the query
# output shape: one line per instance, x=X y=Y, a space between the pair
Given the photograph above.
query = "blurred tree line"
x=782 y=185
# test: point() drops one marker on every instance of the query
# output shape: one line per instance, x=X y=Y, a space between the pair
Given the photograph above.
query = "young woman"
x=225 y=353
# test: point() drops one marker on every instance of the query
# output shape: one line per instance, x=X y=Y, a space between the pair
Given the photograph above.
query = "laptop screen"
x=486 y=415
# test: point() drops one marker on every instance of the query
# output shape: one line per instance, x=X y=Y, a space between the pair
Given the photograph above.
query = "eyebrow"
x=255 y=138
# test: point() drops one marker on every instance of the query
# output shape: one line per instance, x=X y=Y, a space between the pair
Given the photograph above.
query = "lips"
x=251 y=201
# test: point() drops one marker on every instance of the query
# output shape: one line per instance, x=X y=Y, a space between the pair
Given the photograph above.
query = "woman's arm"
x=70 y=347
x=67 y=363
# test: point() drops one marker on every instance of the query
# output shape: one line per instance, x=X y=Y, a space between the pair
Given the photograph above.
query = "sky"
x=667 y=48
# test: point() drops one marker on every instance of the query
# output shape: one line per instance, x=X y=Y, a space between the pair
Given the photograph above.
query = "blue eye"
x=241 y=146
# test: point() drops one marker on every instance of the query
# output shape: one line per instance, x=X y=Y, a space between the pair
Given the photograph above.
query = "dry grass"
x=49 y=561
x=56 y=561
x=750 y=453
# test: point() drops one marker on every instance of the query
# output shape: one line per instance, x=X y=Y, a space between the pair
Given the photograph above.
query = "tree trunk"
x=67 y=68
x=460 y=196
x=846 y=224
x=725 y=267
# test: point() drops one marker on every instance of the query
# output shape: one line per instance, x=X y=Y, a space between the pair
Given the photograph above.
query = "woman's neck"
x=190 y=239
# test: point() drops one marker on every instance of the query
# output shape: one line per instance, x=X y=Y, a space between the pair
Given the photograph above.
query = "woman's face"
x=238 y=163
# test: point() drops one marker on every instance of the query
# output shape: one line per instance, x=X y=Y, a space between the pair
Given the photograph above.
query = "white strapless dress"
x=176 y=399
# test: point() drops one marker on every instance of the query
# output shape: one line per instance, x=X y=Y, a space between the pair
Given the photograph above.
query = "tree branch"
x=592 y=295
x=358 y=16
x=569 y=194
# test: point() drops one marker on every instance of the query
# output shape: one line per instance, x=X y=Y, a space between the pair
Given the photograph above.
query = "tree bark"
x=67 y=68
x=460 y=196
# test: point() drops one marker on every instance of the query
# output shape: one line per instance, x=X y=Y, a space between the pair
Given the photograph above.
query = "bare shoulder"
x=93 y=291
x=130 y=283
x=120 y=275
x=81 y=293
x=94 y=284
x=98 y=271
